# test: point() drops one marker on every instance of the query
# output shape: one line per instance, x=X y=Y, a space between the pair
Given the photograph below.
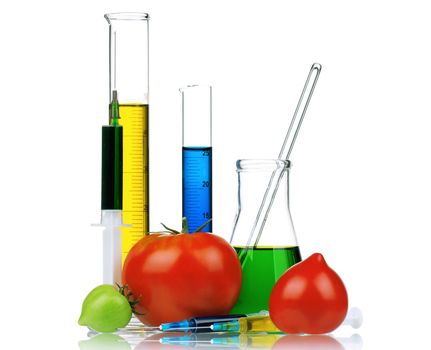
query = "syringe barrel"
x=112 y=168
x=199 y=324
x=257 y=324
x=203 y=324
x=112 y=221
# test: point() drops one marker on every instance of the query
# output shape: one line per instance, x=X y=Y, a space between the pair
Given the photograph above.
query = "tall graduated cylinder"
x=197 y=156
x=265 y=253
x=128 y=81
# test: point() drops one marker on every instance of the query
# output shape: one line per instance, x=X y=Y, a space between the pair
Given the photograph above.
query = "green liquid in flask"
x=261 y=268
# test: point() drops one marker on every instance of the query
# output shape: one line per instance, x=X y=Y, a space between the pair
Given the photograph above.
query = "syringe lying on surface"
x=239 y=323
x=204 y=324
x=264 y=323
x=194 y=325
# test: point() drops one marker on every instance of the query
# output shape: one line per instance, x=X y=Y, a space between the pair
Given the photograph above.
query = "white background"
x=360 y=183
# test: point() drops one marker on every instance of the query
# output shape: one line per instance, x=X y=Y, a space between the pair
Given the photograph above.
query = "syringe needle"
x=138 y=328
x=114 y=109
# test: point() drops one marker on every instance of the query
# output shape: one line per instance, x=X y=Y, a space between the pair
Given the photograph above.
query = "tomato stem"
x=175 y=232
x=202 y=226
x=122 y=290
x=185 y=228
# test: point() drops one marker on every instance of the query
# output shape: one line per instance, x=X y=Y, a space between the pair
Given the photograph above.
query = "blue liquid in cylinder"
x=197 y=187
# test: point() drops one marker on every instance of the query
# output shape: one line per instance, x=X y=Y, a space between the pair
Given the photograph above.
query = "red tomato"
x=308 y=298
x=181 y=276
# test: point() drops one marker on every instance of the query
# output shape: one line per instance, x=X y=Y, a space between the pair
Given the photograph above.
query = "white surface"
x=360 y=183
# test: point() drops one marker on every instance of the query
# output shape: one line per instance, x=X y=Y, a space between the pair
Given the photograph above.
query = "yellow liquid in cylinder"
x=134 y=119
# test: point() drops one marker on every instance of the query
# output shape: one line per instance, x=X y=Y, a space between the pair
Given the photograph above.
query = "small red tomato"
x=309 y=298
x=181 y=276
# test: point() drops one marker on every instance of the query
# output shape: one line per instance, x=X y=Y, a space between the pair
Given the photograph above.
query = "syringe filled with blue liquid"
x=197 y=156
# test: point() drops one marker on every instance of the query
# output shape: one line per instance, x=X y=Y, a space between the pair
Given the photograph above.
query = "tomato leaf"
x=175 y=232
x=202 y=226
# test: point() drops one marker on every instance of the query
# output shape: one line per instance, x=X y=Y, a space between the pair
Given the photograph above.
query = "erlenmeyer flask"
x=262 y=262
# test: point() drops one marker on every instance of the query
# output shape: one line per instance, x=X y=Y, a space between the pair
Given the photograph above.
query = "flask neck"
x=263 y=217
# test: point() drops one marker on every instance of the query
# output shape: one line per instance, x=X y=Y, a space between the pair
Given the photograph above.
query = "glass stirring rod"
x=301 y=109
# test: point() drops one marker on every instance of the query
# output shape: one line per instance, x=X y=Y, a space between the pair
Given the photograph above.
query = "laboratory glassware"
x=197 y=156
x=128 y=80
x=289 y=141
x=262 y=265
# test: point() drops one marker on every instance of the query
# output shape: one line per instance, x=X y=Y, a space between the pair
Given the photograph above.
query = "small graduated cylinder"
x=197 y=156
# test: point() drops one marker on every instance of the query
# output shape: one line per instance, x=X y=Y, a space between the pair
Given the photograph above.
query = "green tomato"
x=105 y=309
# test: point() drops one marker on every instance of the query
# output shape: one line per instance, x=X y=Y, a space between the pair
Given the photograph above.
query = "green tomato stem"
x=185 y=226
x=202 y=226
x=172 y=231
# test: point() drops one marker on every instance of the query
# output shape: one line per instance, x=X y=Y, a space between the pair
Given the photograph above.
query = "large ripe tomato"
x=180 y=276
x=308 y=298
